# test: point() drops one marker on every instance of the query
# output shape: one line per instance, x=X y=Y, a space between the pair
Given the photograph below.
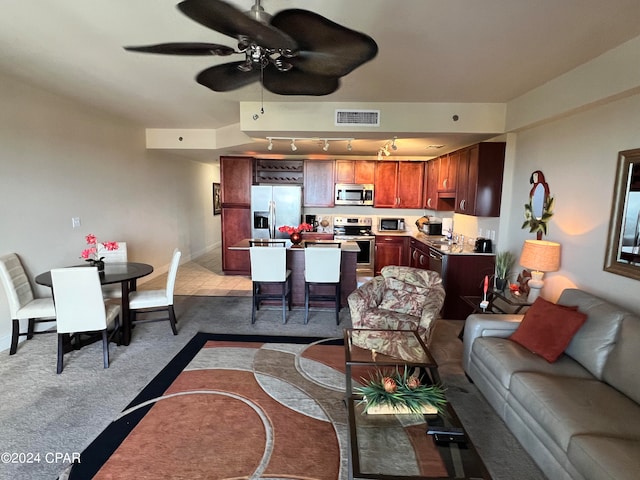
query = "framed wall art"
x=217 y=199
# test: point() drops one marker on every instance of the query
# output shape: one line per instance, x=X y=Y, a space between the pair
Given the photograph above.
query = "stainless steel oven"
x=357 y=229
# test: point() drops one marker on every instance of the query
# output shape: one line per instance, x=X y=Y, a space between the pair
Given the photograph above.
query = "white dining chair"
x=322 y=268
x=147 y=301
x=112 y=256
x=81 y=309
x=23 y=305
x=269 y=268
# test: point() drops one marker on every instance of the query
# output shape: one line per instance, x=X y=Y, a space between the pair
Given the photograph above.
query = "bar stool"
x=269 y=267
x=322 y=267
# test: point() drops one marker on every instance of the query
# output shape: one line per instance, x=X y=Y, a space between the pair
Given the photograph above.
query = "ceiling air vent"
x=358 y=118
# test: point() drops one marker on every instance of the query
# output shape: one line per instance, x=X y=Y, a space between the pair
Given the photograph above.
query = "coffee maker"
x=311 y=220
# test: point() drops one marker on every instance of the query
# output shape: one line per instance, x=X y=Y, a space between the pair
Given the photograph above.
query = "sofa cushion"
x=547 y=328
x=621 y=369
x=565 y=406
x=503 y=358
x=595 y=340
x=605 y=458
x=403 y=297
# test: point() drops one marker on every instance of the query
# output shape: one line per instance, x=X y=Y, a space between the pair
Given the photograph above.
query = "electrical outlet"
x=75 y=222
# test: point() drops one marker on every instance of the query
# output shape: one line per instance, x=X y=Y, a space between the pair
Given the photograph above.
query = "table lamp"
x=539 y=256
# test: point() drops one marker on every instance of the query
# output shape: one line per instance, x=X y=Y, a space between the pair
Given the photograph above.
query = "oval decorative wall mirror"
x=540 y=207
x=623 y=245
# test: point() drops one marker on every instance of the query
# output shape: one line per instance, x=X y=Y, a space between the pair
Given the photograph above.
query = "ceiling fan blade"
x=228 y=20
x=325 y=47
x=185 y=48
x=226 y=77
x=297 y=82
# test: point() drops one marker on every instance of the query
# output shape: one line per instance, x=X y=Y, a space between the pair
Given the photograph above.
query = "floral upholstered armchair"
x=401 y=298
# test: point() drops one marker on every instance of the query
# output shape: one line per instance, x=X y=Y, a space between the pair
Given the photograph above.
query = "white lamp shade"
x=540 y=255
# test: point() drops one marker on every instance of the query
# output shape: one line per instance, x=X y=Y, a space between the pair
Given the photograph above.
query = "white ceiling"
x=429 y=51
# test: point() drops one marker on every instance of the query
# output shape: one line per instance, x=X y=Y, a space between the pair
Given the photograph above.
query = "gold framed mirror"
x=623 y=244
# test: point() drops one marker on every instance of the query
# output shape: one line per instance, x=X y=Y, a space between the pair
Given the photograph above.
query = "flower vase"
x=296 y=238
x=97 y=263
x=501 y=284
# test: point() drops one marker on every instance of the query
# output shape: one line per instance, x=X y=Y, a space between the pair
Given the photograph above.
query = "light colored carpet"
x=44 y=413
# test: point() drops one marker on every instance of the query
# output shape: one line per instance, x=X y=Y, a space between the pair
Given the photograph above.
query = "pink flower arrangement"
x=303 y=227
x=91 y=254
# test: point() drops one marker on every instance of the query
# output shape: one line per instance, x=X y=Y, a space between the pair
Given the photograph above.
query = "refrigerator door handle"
x=272 y=219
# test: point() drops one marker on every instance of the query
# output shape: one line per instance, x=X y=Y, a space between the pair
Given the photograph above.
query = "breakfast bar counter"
x=295 y=263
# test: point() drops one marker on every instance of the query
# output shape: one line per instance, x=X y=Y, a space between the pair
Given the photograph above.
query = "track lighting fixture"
x=320 y=141
x=393 y=144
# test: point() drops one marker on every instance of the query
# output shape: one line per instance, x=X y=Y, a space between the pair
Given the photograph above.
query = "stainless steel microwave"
x=391 y=224
x=354 y=194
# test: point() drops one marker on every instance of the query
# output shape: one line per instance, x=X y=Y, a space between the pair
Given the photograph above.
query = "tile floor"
x=203 y=276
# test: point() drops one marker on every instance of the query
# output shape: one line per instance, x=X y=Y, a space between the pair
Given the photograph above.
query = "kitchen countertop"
x=347 y=246
x=434 y=241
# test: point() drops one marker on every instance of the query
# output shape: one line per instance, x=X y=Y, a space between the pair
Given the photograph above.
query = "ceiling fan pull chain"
x=261 y=90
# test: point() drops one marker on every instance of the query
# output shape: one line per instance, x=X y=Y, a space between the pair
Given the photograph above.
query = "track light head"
x=293 y=145
x=326 y=145
x=393 y=144
x=270 y=146
x=349 y=147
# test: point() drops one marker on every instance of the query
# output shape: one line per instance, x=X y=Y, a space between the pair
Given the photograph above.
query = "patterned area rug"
x=231 y=407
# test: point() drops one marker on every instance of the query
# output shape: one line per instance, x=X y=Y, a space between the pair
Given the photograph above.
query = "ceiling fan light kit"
x=295 y=52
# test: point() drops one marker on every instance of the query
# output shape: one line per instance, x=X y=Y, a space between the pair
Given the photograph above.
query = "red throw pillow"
x=547 y=328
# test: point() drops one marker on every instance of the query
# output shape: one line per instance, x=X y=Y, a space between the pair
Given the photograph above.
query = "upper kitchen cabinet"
x=479 y=184
x=432 y=198
x=318 y=188
x=399 y=184
x=236 y=175
x=447 y=172
x=355 y=171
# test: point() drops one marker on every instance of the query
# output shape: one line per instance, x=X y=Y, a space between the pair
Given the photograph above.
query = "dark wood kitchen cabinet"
x=355 y=171
x=461 y=275
x=418 y=254
x=391 y=250
x=236 y=174
x=479 y=186
x=433 y=199
x=318 y=188
x=399 y=184
x=447 y=171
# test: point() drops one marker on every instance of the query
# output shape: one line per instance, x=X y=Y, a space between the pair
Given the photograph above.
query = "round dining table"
x=124 y=273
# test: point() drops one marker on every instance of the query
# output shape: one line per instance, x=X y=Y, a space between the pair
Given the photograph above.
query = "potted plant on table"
x=504 y=263
x=90 y=254
x=393 y=392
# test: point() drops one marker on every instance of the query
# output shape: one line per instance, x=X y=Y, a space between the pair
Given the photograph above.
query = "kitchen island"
x=295 y=263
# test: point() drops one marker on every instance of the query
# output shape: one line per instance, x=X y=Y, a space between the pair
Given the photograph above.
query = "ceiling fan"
x=295 y=52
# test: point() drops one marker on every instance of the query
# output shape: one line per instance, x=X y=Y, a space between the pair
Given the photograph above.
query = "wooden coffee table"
x=398 y=446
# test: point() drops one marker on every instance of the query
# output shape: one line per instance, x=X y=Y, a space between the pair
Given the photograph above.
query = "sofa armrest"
x=487 y=325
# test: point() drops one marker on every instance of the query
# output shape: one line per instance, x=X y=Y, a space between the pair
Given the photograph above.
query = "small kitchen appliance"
x=483 y=245
x=391 y=224
x=429 y=226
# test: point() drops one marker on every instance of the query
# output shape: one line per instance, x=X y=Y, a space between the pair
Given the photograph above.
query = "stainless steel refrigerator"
x=273 y=207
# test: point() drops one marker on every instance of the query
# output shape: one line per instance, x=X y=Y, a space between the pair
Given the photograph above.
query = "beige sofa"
x=579 y=417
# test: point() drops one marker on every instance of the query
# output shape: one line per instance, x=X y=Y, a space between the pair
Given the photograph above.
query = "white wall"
x=578 y=156
x=60 y=159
